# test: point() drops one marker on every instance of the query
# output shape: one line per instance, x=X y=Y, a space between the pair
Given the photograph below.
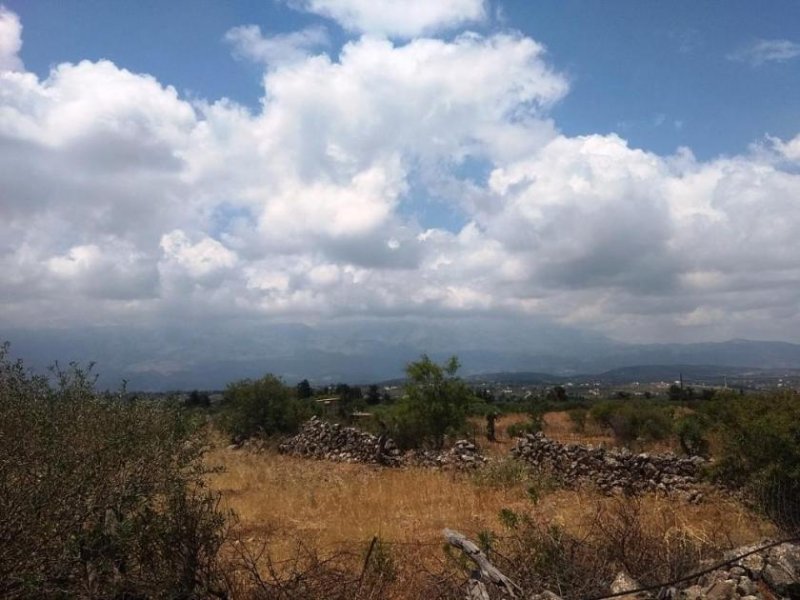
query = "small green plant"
x=381 y=564
x=508 y=518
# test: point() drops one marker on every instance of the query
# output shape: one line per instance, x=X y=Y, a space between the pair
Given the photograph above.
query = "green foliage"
x=373 y=395
x=304 y=390
x=504 y=473
x=100 y=497
x=350 y=400
x=557 y=393
x=692 y=432
x=632 y=420
x=198 y=400
x=435 y=404
x=382 y=564
x=262 y=407
x=758 y=439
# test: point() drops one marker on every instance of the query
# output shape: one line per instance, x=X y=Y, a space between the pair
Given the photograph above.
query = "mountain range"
x=369 y=351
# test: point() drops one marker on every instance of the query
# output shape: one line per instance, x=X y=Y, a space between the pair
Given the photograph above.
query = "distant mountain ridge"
x=365 y=352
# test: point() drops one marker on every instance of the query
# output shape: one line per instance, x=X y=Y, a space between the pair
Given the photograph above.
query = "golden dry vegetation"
x=282 y=502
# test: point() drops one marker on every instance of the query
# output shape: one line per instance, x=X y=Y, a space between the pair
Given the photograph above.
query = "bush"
x=630 y=421
x=100 y=497
x=648 y=540
x=692 y=432
x=758 y=448
x=263 y=407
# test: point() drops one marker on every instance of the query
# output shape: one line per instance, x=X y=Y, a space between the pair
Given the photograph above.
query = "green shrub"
x=631 y=420
x=100 y=497
x=758 y=448
x=692 y=432
x=435 y=404
x=262 y=407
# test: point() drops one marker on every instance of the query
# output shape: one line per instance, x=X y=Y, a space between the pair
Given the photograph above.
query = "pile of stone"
x=612 y=471
x=766 y=574
x=463 y=455
x=771 y=573
x=331 y=441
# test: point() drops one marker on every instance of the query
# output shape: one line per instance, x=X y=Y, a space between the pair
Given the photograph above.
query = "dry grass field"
x=282 y=500
x=284 y=503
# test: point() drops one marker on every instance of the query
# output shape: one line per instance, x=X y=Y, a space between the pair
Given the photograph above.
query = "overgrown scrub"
x=358 y=571
x=645 y=540
x=756 y=440
x=632 y=420
x=263 y=407
x=100 y=497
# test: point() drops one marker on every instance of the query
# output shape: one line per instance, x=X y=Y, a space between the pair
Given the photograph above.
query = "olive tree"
x=435 y=403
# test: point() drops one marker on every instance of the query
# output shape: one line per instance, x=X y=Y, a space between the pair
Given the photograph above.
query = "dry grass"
x=333 y=508
x=328 y=504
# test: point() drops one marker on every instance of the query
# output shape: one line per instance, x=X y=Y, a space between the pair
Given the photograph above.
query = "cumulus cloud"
x=397 y=18
x=760 y=52
x=10 y=40
x=248 y=42
x=123 y=202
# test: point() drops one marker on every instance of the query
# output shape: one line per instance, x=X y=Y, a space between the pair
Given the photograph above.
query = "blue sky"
x=621 y=168
x=659 y=73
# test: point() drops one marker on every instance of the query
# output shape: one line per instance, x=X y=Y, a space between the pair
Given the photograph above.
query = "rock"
x=694 y=592
x=746 y=586
x=723 y=589
x=624 y=583
x=546 y=595
x=782 y=570
x=770 y=574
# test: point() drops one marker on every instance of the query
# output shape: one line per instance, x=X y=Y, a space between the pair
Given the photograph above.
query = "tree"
x=349 y=400
x=557 y=393
x=373 y=395
x=198 y=399
x=435 y=403
x=304 y=390
x=263 y=406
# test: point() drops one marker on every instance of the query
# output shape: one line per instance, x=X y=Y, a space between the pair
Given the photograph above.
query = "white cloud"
x=397 y=18
x=10 y=41
x=122 y=202
x=248 y=42
x=760 y=52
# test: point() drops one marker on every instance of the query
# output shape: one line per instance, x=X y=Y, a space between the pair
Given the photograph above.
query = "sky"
x=620 y=168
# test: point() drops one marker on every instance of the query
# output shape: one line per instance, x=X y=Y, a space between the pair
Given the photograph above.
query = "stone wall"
x=612 y=471
x=330 y=441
